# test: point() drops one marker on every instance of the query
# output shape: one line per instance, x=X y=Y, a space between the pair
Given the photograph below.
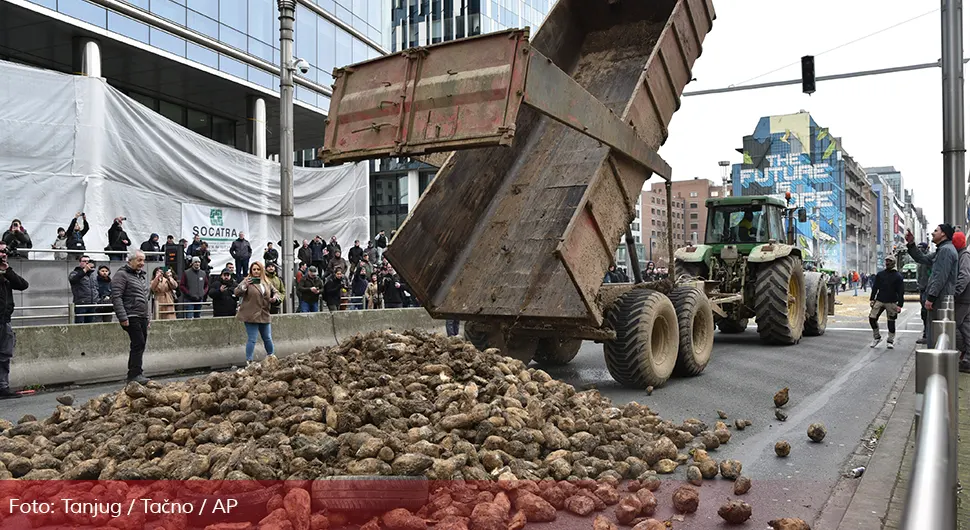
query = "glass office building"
x=210 y=65
x=426 y=22
x=396 y=183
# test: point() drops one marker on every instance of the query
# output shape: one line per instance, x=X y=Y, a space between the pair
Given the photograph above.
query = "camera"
x=302 y=65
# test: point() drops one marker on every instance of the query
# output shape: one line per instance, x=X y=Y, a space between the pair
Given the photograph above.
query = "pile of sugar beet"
x=413 y=404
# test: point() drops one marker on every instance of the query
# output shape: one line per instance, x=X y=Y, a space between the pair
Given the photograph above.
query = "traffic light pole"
x=954 y=151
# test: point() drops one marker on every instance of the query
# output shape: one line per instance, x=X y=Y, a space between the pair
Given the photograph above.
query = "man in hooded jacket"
x=152 y=245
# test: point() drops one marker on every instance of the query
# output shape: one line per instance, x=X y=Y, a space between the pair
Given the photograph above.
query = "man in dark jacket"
x=943 y=276
x=84 y=288
x=886 y=296
x=318 y=254
x=129 y=296
x=118 y=239
x=371 y=253
x=16 y=238
x=222 y=296
x=194 y=285
x=924 y=259
x=193 y=249
x=242 y=252
x=309 y=289
x=76 y=231
x=271 y=255
x=333 y=247
x=393 y=290
x=304 y=254
x=358 y=288
x=331 y=290
x=9 y=282
x=152 y=245
x=355 y=253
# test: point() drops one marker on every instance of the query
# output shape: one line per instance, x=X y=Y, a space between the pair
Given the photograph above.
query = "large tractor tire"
x=779 y=301
x=694 y=270
x=484 y=336
x=556 y=352
x=644 y=352
x=729 y=326
x=695 y=321
x=816 y=304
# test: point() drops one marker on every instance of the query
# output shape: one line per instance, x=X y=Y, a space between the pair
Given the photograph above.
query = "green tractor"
x=753 y=269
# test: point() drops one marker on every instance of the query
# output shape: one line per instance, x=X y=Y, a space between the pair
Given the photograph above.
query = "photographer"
x=76 y=232
x=9 y=281
x=271 y=254
x=118 y=239
x=84 y=287
x=16 y=238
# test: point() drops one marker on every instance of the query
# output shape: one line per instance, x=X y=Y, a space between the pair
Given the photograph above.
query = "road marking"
x=898 y=331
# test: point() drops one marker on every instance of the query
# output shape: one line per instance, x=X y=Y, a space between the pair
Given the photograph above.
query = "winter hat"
x=195 y=259
x=226 y=271
x=60 y=230
x=923 y=245
x=959 y=240
x=947 y=229
x=312 y=269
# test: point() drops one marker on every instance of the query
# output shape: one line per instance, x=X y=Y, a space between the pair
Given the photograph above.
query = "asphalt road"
x=835 y=379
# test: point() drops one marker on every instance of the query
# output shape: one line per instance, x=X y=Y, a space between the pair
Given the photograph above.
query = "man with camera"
x=9 y=281
x=84 y=288
x=16 y=238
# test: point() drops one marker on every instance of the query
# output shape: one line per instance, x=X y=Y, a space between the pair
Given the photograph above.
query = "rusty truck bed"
x=525 y=232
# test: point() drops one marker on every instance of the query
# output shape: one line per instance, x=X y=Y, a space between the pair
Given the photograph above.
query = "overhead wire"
x=840 y=46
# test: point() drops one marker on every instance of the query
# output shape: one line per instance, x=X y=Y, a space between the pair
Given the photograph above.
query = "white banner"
x=217 y=226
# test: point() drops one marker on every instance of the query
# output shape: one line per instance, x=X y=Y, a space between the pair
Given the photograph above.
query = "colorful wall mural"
x=792 y=153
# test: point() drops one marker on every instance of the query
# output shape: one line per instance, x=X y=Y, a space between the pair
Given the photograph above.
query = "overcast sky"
x=886 y=120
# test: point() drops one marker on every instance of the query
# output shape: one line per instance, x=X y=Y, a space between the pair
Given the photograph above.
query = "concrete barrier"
x=91 y=353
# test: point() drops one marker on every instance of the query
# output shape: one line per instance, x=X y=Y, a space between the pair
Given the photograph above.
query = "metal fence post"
x=71 y=312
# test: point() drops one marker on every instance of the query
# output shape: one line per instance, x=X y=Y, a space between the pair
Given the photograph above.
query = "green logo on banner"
x=215 y=217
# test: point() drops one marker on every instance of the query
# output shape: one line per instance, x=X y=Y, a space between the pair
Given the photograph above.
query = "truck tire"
x=557 y=352
x=477 y=334
x=484 y=336
x=694 y=270
x=695 y=321
x=728 y=326
x=644 y=352
x=371 y=494
x=816 y=304
x=779 y=301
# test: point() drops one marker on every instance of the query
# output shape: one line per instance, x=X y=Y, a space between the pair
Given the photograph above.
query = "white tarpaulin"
x=73 y=143
x=218 y=227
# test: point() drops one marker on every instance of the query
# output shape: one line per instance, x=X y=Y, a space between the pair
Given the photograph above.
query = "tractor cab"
x=745 y=220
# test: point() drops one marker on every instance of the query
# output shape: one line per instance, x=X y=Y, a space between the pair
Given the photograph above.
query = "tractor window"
x=737 y=224
x=777 y=228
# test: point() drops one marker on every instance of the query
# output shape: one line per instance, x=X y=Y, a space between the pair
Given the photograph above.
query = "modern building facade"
x=892 y=176
x=210 y=65
x=397 y=183
x=426 y=22
x=656 y=231
x=792 y=153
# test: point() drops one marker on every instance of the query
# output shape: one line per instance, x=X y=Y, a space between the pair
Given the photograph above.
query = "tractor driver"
x=746 y=227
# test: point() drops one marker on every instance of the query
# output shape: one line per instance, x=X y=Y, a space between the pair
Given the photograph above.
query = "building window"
x=636 y=227
x=693 y=194
x=693 y=226
x=715 y=194
x=693 y=205
x=693 y=216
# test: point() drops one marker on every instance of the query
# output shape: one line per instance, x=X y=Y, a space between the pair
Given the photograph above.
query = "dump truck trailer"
x=554 y=138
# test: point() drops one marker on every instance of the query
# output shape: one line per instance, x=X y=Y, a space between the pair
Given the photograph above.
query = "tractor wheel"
x=694 y=270
x=779 y=301
x=816 y=304
x=644 y=352
x=695 y=320
x=557 y=352
x=729 y=326
x=484 y=336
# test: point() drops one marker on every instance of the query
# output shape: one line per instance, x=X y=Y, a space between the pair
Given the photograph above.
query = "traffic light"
x=808 y=74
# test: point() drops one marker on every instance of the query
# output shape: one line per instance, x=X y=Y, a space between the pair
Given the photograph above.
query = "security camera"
x=301 y=65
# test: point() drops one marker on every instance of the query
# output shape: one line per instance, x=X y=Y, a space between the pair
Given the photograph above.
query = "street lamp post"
x=725 y=172
x=287 y=10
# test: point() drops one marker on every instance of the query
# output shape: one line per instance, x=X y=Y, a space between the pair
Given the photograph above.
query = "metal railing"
x=71 y=255
x=931 y=498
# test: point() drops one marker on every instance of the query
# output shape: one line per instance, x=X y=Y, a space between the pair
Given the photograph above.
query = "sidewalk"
x=881 y=495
